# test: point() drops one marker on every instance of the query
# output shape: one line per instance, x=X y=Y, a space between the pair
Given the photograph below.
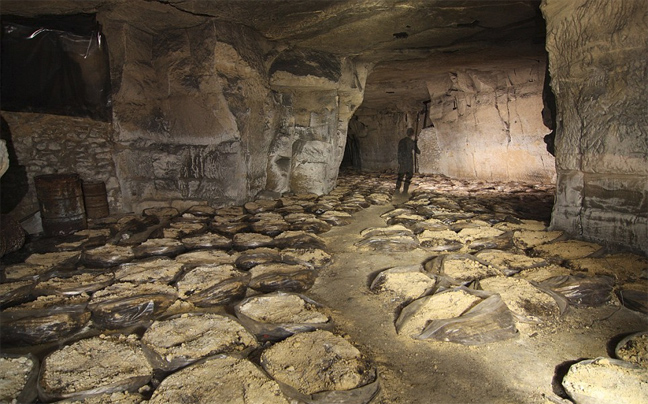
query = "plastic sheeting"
x=56 y=65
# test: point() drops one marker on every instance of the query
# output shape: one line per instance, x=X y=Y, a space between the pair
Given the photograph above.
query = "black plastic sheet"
x=56 y=65
x=636 y=300
x=489 y=321
x=40 y=326
x=580 y=290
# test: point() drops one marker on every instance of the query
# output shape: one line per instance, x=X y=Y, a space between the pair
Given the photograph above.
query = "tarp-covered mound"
x=458 y=315
x=321 y=363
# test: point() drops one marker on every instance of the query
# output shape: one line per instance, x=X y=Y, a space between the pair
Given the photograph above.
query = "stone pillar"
x=598 y=61
x=195 y=114
x=320 y=93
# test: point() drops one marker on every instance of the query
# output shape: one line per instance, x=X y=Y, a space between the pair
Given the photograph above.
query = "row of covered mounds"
x=492 y=270
x=193 y=252
x=167 y=307
x=177 y=256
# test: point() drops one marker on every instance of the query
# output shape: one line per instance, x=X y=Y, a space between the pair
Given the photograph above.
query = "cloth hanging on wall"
x=56 y=65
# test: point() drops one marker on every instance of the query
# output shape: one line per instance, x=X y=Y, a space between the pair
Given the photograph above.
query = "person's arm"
x=416 y=149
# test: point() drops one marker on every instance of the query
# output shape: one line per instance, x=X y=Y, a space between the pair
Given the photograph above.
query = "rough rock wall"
x=489 y=125
x=320 y=93
x=598 y=60
x=430 y=160
x=194 y=112
x=378 y=142
x=4 y=157
x=48 y=144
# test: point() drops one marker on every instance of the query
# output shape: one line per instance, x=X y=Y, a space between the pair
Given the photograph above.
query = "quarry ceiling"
x=405 y=40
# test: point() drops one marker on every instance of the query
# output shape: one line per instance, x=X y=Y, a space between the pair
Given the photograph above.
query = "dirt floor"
x=526 y=369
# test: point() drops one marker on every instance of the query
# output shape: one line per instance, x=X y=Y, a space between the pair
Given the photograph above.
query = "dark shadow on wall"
x=352 y=158
x=549 y=112
x=14 y=183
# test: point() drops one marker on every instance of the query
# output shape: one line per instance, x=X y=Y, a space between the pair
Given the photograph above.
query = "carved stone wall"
x=194 y=112
x=378 y=143
x=487 y=125
x=430 y=160
x=598 y=54
x=208 y=114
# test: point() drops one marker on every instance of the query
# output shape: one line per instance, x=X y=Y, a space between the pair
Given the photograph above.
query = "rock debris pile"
x=211 y=304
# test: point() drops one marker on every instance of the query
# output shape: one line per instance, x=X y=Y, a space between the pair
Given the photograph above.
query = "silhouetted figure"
x=406 y=148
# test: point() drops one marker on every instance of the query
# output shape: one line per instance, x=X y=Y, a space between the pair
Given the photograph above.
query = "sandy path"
x=520 y=370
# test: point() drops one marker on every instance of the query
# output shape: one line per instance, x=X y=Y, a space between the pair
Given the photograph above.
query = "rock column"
x=320 y=93
x=194 y=112
x=598 y=61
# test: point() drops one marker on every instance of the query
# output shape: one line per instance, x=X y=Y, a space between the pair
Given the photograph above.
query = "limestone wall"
x=487 y=125
x=216 y=114
x=194 y=112
x=598 y=60
x=211 y=114
x=378 y=139
x=48 y=144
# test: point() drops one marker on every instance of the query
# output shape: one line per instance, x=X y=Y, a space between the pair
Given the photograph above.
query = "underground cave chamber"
x=205 y=120
x=194 y=104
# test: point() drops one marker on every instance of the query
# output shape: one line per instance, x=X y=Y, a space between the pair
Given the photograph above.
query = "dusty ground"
x=526 y=369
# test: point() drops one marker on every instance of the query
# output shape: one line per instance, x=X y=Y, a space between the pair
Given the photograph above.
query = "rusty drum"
x=60 y=198
x=96 y=199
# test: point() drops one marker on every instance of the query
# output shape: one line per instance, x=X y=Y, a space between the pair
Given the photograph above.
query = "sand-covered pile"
x=317 y=361
x=220 y=379
x=94 y=365
x=184 y=339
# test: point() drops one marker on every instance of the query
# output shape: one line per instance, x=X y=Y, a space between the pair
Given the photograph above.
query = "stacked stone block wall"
x=53 y=144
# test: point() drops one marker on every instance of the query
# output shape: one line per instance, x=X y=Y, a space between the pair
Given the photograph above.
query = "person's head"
x=410 y=132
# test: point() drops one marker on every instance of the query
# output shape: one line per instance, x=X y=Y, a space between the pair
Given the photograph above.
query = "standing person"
x=406 y=148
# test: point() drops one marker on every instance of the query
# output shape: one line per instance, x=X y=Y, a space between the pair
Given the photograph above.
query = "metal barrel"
x=60 y=198
x=96 y=199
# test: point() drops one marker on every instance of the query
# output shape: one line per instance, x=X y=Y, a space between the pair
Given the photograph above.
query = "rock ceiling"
x=406 y=40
